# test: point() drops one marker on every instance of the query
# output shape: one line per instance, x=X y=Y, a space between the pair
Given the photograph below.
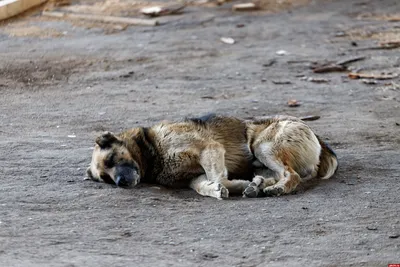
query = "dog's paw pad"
x=251 y=191
x=273 y=191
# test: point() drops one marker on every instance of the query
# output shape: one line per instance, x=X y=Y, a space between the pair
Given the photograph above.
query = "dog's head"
x=113 y=163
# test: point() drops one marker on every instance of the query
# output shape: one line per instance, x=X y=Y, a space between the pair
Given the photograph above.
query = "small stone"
x=281 y=52
x=227 y=40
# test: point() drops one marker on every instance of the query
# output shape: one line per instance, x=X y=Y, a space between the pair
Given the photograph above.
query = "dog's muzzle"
x=126 y=176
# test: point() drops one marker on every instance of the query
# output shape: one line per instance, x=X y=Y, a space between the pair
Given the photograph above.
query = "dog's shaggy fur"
x=215 y=155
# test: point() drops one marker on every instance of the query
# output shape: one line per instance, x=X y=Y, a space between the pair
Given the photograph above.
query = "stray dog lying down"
x=215 y=155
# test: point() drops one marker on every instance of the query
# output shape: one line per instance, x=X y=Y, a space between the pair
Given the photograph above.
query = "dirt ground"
x=63 y=86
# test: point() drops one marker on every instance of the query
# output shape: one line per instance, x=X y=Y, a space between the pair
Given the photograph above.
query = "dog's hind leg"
x=256 y=187
x=212 y=159
x=287 y=183
x=207 y=188
x=285 y=177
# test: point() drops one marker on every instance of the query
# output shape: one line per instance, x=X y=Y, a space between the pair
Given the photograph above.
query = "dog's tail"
x=328 y=162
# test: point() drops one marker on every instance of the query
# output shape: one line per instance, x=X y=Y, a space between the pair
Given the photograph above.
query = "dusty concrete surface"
x=84 y=81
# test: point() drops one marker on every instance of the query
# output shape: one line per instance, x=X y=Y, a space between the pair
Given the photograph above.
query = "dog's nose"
x=123 y=182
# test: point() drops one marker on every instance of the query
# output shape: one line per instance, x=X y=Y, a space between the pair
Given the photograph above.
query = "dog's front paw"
x=218 y=190
x=255 y=188
x=252 y=190
x=272 y=191
x=222 y=192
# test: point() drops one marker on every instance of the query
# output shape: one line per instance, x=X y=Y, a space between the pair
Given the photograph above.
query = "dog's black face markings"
x=109 y=160
x=106 y=178
x=126 y=172
x=112 y=162
x=106 y=140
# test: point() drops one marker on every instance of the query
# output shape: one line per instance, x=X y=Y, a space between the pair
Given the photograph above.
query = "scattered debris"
x=126 y=234
x=208 y=256
x=269 y=63
x=340 y=34
x=390 y=44
x=345 y=62
x=281 y=52
x=99 y=18
x=331 y=67
x=227 y=40
x=245 y=7
x=310 y=118
x=393 y=19
x=334 y=66
x=317 y=80
x=382 y=76
x=52 y=4
x=156 y=11
x=208 y=97
x=293 y=103
x=281 y=82
x=129 y=74
x=219 y=96
x=12 y=8
x=298 y=61
x=366 y=81
x=393 y=85
x=383 y=45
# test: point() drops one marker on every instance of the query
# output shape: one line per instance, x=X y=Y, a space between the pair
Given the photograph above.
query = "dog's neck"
x=147 y=152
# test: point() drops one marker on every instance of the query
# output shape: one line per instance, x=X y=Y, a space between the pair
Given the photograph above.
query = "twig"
x=350 y=60
x=106 y=19
x=353 y=75
x=245 y=7
x=335 y=66
x=310 y=118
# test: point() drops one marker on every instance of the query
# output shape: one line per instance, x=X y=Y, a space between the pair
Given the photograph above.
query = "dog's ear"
x=106 y=140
